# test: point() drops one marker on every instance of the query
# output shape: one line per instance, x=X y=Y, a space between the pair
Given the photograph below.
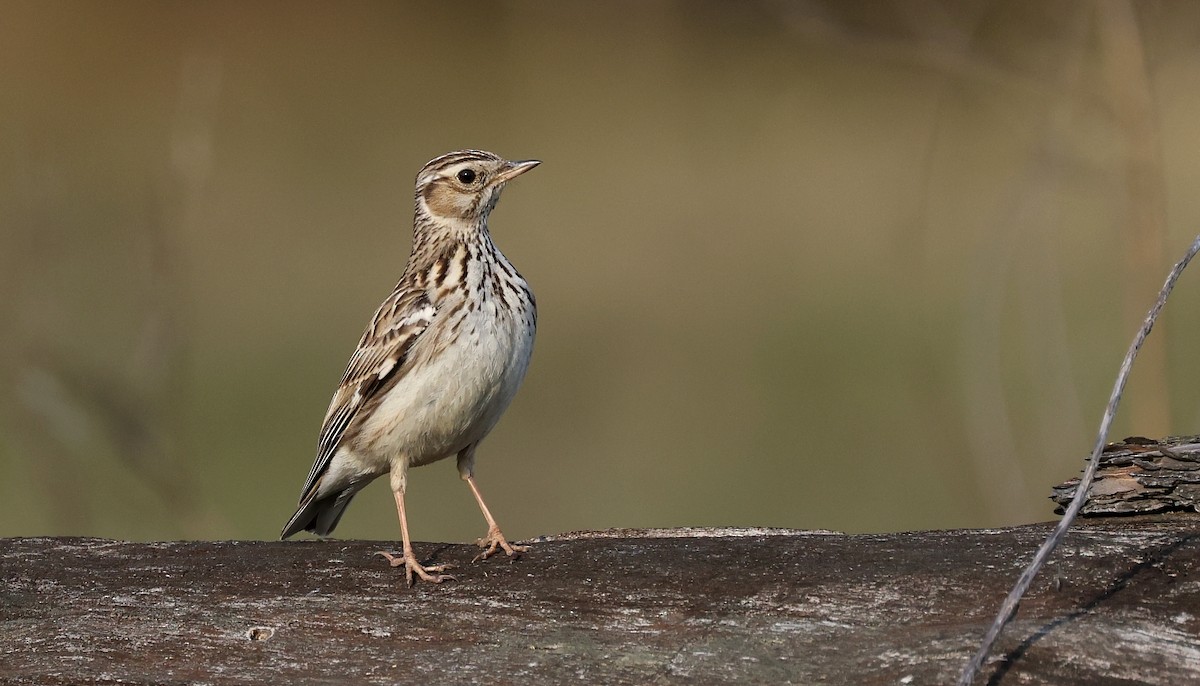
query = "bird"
x=439 y=362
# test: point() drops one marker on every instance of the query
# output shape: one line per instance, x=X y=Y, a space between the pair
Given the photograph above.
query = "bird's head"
x=462 y=187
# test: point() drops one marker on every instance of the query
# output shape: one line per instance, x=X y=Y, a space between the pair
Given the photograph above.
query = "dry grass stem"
x=1009 y=607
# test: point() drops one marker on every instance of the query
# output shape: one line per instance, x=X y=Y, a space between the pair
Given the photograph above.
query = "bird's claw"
x=409 y=561
x=494 y=541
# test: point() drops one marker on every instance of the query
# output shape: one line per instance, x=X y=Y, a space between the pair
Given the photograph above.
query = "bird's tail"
x=318 y=515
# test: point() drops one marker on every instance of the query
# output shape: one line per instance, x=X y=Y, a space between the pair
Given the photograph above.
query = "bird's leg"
x=494 y=539
x=407 y=558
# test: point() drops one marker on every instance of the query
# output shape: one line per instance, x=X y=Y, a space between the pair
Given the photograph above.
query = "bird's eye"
x=467 y=176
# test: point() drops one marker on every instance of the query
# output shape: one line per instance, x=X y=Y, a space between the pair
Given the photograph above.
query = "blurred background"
x=864 y=266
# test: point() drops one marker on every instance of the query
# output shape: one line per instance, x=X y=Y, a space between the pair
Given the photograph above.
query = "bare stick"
x=1009 y=607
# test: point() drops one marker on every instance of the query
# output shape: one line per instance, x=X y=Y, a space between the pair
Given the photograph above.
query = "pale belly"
x=439 y=408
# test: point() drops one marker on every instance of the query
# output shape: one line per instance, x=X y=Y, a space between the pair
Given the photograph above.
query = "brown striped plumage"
x=439 y=362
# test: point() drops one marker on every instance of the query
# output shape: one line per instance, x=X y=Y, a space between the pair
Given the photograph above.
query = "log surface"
x=1117 y=605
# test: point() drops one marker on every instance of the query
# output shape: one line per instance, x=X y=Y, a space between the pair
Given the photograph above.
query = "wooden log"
x=1118 y=604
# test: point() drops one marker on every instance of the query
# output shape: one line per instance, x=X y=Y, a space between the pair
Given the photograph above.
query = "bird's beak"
x=515 y=169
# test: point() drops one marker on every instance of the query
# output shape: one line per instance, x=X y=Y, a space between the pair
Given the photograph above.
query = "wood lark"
x=438 y=364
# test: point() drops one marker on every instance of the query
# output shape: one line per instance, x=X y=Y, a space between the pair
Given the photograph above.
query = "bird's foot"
x=409 y=561
x=494 y=541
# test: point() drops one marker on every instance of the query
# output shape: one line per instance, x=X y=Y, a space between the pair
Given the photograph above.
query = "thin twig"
x=1009 y=607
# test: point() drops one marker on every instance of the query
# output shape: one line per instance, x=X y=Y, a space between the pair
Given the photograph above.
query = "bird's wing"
x=380 y=356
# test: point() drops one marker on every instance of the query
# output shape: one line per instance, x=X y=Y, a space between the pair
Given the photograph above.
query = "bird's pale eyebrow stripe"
x=452 y=158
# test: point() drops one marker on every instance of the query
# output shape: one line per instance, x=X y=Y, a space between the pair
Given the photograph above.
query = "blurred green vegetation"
x=861 y=266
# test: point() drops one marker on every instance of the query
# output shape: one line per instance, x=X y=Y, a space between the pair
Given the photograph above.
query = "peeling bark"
x=1141 y=476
